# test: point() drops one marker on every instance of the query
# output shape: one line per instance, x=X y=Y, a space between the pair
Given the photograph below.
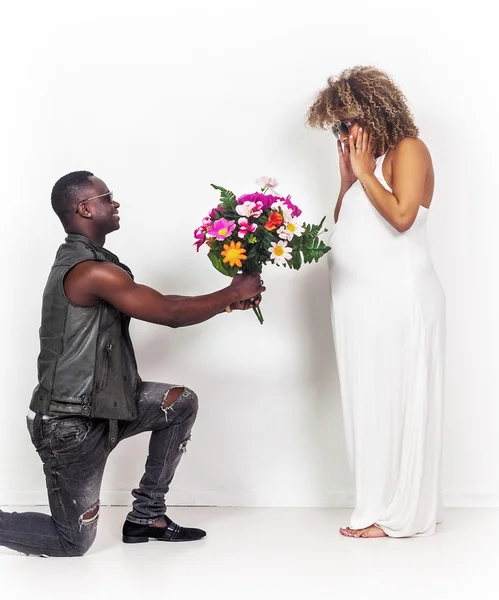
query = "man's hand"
x=247 y=304
x=247 y=286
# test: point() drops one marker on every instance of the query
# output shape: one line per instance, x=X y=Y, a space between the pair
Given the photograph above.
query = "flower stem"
x=258 y=314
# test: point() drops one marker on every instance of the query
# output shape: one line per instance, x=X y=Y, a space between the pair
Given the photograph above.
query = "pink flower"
x=221 y=229
x=200 y=232
x=199 y=235
x=245 y=227
x=250 y=209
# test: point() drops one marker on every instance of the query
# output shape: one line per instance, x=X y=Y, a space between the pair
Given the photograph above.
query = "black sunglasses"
x=341 y=128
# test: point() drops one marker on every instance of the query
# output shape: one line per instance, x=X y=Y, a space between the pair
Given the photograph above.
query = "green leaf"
x=315 y=251
x=296 y=242
x=316 y=228
x=216 y=247
x=227 y=198
x=253 y=252
x=295 y=262
x=266 y=238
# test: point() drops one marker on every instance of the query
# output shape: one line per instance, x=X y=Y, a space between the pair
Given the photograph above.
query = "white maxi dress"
x=388 y=313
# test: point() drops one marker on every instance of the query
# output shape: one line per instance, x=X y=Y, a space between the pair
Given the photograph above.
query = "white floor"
x=268 y=553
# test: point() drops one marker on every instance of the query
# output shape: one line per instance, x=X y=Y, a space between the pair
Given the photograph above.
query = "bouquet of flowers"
x=247 y=232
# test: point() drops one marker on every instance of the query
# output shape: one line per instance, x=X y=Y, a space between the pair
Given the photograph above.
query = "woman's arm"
x=411 y=161
x=347 y=176
x=345 y=186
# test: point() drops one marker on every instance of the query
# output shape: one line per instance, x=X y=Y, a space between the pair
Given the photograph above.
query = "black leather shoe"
x=137 y=534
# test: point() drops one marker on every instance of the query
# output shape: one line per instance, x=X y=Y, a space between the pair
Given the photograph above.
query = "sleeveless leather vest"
x=86 y=364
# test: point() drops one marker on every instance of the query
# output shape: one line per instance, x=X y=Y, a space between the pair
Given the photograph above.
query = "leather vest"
x=86 y=364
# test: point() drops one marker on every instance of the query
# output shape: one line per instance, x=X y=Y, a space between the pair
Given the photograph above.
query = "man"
x=90 y=396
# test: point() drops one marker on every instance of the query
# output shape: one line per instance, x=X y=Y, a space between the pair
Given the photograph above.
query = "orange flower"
x=234 y=254
x=275 y=221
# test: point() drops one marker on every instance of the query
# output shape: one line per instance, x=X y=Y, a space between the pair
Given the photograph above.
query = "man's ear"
x=82 y=210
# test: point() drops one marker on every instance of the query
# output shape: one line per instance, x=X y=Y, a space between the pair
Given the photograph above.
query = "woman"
x=388 y=306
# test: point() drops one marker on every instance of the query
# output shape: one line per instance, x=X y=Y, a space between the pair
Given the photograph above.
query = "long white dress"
x=388 y=311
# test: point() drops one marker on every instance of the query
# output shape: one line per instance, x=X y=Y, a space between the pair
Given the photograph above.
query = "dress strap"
x=378 y=171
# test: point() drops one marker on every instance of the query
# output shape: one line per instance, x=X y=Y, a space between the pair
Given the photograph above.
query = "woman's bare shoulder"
x=412 y=147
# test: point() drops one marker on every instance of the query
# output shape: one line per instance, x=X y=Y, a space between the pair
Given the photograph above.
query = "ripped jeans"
x=74 y=451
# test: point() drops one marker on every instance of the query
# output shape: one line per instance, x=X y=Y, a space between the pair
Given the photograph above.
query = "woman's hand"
x=347 y=175
x=362 y=155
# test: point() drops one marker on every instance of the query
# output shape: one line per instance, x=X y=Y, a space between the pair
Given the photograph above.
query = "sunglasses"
x=110 y=194
x=341 y=128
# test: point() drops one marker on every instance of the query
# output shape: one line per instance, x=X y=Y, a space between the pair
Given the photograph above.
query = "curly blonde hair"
x=370 y=97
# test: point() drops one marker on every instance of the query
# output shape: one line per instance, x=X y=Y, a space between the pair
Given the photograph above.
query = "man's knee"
x=172 y=395
x=81 y=547
x=85 y=535
x=183 y=394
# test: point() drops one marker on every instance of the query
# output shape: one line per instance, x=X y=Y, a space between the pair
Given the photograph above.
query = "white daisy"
x=282 y=232
x=290 y=228
x=280 y=252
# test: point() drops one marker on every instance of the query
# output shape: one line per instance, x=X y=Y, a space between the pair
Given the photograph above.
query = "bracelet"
x=228 y=309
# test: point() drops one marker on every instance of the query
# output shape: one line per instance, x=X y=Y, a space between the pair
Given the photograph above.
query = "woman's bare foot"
x=369 y=532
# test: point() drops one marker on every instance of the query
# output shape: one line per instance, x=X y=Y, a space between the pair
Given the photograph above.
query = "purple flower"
x=295 y=211
x=266 y=199
x=213 y=212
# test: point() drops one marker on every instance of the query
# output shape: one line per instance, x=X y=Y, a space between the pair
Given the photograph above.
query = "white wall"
x=162 y=98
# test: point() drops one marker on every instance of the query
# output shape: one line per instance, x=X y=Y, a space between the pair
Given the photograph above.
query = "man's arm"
x=90 y=282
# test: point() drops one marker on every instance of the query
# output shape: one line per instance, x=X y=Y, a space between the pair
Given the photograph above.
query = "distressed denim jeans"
x=74 y=451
